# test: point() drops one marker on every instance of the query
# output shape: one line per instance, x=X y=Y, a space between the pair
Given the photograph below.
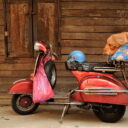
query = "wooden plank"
x=67 y=50
x=2 y=29
x=7 y=81
x=47 y=23
x=14 y=67
x=2 y=36
x=1 y=14
x=94 y=5
x=95 y=13
x=1 y=47
x=19 y=20
x=2 y=51
x=81 y=21
x=90 y=36
x=22 y=74
x=77 y=29
x=83 y=43
x=17 y=60
x=122 y=1
x=1 y=22
x=1 y=5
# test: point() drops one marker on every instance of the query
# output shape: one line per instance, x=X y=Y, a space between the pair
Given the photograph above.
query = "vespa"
x=98 y=88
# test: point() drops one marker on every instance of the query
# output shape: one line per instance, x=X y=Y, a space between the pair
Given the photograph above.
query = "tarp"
x=114 y=42
x=121 y=54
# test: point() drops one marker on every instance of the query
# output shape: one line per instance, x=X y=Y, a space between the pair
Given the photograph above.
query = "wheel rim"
x=53 y=76
x=25 y=103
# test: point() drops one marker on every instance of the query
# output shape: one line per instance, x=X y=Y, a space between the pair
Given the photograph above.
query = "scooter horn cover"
x=78 y=56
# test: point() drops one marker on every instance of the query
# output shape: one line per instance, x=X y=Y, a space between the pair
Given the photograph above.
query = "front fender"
x=22 y=87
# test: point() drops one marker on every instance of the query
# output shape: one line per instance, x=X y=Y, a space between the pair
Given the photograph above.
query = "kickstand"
x=65 y=111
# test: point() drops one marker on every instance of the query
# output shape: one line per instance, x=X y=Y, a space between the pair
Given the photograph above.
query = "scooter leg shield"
x=22 y=87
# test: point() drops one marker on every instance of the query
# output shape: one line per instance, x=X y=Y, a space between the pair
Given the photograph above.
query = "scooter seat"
x=91 y=66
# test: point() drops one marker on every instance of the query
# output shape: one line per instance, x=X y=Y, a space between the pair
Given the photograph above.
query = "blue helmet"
x=77 y=56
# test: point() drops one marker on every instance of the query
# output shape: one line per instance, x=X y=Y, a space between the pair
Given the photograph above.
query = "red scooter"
x=98 y=88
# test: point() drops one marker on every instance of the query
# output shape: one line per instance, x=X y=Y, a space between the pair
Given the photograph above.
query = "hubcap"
x=25 y=103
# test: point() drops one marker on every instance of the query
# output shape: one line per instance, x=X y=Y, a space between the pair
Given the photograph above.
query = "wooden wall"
x=1 y=29
x=84 y=25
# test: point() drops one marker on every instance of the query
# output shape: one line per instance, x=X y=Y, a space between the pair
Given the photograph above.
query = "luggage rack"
x=104 y=67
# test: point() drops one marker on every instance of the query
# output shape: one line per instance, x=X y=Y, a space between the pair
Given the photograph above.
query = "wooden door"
x=46 y=21
x=29 y=21
x=19 y=28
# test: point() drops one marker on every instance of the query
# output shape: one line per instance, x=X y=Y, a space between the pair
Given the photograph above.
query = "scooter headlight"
x=37 y=46
x=40 y=46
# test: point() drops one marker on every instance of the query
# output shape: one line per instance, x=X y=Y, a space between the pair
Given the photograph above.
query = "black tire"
x=109 y=113
x=23 y=104
x=50 y=70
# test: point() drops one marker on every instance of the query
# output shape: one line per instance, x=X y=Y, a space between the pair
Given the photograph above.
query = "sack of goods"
x=117 y=47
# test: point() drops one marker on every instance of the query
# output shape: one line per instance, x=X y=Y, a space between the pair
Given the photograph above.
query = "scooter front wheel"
x=109 y=112
x=23 y=104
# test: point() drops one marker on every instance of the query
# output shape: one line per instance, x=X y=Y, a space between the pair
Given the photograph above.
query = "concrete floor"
x=49 y=117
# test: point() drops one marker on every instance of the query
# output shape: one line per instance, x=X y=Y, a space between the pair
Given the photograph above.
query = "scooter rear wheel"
x=109 y=113
x=23 y=104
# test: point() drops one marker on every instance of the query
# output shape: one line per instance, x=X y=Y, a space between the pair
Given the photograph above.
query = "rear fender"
x=22 y=87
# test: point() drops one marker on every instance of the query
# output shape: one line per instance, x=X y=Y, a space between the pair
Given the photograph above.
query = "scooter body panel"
x=22 y=87
x=100 y=88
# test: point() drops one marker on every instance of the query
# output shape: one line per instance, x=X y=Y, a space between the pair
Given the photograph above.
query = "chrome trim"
x=18 y=81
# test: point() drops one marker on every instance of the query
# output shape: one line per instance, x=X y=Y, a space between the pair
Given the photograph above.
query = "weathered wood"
x=67 y=50
x=15 y=67
x=14 y=74
x=121 y=1
x=94 y=21
x=1 y=5
x=2 y=30
x=94 y=5
x=91 y=36
x=47 y=1
x=13 y=60
x=7 y=81
x=47 y=23
x=19 y=30
x=95 y=13
x=1 y=45
x=101 y=29
x=83 y=43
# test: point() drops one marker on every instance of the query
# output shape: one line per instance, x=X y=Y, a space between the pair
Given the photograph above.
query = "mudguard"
x=22 y=87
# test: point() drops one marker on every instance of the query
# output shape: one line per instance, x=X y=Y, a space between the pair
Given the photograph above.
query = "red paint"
x=99 y=80
x=22 y=87
x=42 y=46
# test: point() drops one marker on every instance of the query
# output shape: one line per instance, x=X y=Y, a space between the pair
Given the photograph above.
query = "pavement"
x=48 y=116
